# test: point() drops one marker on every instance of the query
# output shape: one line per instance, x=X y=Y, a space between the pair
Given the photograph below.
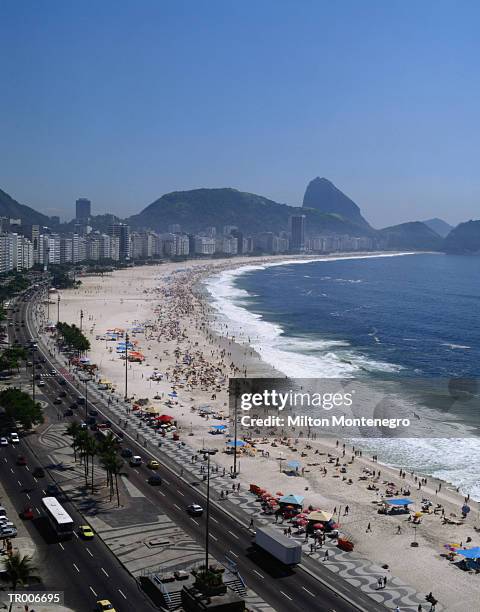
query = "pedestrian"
x=399 y=530
x=369 y=528
x=379 y=583
x=251 y=523
x=384 y=581
x=325 y=558
x=346 y=511
x=420 y=608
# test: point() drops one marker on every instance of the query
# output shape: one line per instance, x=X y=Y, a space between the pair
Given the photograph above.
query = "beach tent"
x=293 y=464
x=237 y=443
x=319 y=516
x=292 y=500
x=399 y=501
x=469 y=553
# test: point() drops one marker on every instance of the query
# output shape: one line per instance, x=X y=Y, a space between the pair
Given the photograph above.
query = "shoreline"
x=170 y=296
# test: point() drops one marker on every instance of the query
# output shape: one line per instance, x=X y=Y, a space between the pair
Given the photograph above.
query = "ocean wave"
x=456 y=346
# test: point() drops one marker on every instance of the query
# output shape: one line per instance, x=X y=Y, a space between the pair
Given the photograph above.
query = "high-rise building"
x=204 y=245
x=122 y=232
x=83 y=210
x=174 y=228
x=297 y=232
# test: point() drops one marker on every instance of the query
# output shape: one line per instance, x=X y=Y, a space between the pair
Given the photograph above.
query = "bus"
x=58 y=517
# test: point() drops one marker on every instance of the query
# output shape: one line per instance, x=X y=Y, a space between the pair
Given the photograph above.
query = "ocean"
x=393 y=317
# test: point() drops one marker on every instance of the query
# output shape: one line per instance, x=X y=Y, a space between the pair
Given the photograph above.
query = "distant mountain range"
x=441 y=227
x=12 y=209
x=326 y=208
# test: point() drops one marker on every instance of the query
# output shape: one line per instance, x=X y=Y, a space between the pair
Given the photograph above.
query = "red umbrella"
x=318 y=526
x=165 y=418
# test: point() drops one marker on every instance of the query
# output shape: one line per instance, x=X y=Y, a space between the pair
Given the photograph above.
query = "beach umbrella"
x=465 y=509
x=469 y=553
x=318 y=526
x=172 y=394
x=237 y=443
x=320 y=515
x=165 y=418
x=219 y=427
x=293 y=464
x=418 y=514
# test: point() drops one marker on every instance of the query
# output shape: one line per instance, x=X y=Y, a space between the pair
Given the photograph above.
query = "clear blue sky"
x=122 y=101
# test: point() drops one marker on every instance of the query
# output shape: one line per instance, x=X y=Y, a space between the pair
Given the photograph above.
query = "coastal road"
x=282 y=588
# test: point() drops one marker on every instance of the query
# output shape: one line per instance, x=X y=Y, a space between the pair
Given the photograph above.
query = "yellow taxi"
x=103 y=605
x=86 y=532
x=153 y=464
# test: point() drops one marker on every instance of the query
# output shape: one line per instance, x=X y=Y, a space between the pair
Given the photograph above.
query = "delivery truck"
x=286 y=550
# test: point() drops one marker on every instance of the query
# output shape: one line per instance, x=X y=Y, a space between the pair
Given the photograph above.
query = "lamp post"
x=126 y=367
x=235 y=424
x=81 y=320
x=207 y=454
x=58 y=308
x=48 y=304
x=86 y=398
x=33 y=375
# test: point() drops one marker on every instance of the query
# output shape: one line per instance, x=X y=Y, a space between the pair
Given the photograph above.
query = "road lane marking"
x=177 y=506
x=5 y=459
x=43 y=491
x=122 y=594
x=196 y=522
x=11 y=469
x=77 y=570
x=19 y=483
x=214 y=519
x=213 y=537
x=234 y=535
x=162 y=494
x=35 y=479
x=75 y=534
x=27 y=468
x=61 y=545
x=180 y=493
x=285 y=595
x=105 y=572
x=259 y=574
x=93 y=592
x=234 y=554
x=88 y=551
x=37 y=510
x=136 y=471
x=309 y=592
x=28 y=496
x=166 y=481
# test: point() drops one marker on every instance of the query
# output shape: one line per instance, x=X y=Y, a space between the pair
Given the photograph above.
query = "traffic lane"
x=279 y=585
x=89 y=561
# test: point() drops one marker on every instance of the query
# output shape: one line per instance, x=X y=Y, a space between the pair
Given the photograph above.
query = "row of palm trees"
x=86 y=449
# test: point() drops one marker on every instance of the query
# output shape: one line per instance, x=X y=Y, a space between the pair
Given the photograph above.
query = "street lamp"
x=33 y=374
x=206 y=454
x=86 y=397
x=58 y=308
x=126 y=366
x=235 y=424
x=81 y=320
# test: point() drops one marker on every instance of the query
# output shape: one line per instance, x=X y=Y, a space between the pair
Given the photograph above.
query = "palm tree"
x=91 y=449
x=116 y=467
x=19 y=571
x=73 y=431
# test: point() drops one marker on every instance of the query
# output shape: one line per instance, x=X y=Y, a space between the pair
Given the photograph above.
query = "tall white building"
x=204 y=245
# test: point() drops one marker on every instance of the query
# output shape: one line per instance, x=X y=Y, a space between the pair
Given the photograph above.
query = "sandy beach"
x=170 y=323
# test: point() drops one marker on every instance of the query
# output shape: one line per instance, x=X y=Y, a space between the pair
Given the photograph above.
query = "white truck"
x=286 y=550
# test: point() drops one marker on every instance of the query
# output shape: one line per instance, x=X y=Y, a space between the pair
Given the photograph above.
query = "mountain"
x=12 y=209
x=464 y=239
x=441 y=227
x=414 y=235
x=322 y=195
x=201 y=208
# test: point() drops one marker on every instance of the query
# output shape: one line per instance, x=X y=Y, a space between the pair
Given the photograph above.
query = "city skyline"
x=122 y=105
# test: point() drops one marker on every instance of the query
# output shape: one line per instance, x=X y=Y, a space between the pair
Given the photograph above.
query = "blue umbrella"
x=237 y=443
x=219 y=426
x=293 y=464
x=469 y=553
x=173 y=394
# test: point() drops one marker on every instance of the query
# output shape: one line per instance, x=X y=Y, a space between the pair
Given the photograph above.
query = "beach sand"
x=168 y=298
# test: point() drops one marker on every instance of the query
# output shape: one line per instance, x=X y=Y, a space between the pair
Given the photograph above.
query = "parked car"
x=155 y=480
x=3 y=441
x=93 y=413
x=8 y=532
x=126 y=453
x=62 y=382
x=62 y=394
x=68 y=412
x=195 y=510
x=57 y=400
x=41 y=383
x=39 y=472
x=14 y=439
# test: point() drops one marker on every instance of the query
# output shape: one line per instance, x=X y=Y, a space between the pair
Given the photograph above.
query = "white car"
x=14 y=439
x=3 y=442
x=41 y=383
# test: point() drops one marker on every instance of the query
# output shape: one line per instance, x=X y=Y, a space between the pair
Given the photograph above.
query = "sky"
x=122 y=101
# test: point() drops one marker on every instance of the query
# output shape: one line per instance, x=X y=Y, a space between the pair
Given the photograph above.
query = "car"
x=135 y=460
x=62 y=394
x=127 y=453
x=41 y=383
x=86 y=532
x=14 y=439
x=93 y=413
x=21 y=460
x=57 y=400
x=8 y=532
x=4 y=441
x=74 y=406
x=62 y=382
x=52 y=490
x=104 y=605
x=27 y=513
x=38 y=377
x=195 y=510
x=91 y=421
x=53 y=372
x=68 y=412
x=154 y=480
x=153 y=464
x=39 y=472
